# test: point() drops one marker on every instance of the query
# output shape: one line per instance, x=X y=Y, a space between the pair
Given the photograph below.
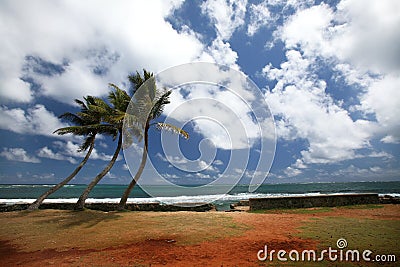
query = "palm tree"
x=112 y=116
x=148 y=105
x=87 y=123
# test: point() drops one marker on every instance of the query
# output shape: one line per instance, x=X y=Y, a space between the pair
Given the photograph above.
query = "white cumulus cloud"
x=383 y=100
x=88 y=46
x=18 y=154
x=226 y=15
x=307 y=112
x=35 y=120
x=260 y=17
x=359 y=41
x=45 y=152
x=71 y=149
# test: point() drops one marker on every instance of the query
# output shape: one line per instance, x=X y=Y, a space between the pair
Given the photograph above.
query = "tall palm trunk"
x=35 y=205
x=81 y=201
x=139 y=172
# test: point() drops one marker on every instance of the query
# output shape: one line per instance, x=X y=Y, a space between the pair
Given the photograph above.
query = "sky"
x=327 y=73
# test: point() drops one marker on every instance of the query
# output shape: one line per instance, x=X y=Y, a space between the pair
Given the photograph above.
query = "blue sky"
x=329 y=72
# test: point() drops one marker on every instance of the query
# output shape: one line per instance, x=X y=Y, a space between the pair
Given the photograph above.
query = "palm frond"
x=148 y=80
x=130 y=134
x=99 y=110
x=86 y=143
x=119 y=98
x=97 y=101
x=173 y=129
x=76 y=130
x=91 y=129
x=90 y=100
x=81 y=104
x=132 y=128
x=136 y=81
x=147 y=75
x=75 y=119
x=106 y=129
x=158 y=106
x=88 y=118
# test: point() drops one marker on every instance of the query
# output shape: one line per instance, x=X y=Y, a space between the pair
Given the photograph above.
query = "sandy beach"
x=94 y=238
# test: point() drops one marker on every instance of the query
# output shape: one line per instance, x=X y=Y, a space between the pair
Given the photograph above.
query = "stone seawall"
x=113 y=206
x=312 y=201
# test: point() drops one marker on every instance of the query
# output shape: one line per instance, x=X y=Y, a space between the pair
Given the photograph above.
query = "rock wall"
x=113 y=206
x=312 y=201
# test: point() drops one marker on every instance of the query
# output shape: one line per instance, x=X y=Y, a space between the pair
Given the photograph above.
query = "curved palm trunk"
x=81 y=201
x=35 y=205
x=139 y=172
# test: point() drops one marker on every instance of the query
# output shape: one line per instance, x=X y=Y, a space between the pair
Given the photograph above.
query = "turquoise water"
x=171 y=195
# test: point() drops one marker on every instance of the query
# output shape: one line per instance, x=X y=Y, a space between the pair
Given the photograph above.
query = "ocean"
x=170 y=195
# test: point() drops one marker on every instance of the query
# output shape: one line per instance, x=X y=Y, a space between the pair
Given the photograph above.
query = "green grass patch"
x=362 y=207
x=315 y=209
x=379 y=236
x=294 y=211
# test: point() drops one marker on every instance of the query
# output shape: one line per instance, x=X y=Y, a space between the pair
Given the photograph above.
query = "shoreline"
x=331 y=200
